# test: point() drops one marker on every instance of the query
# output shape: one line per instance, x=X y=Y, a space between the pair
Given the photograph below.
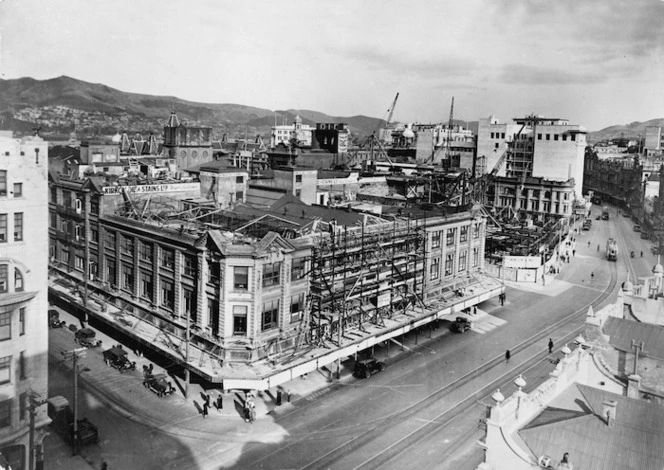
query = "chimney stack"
x=609 y=411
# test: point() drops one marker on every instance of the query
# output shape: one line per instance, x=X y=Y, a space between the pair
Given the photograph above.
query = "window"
x=188 y=302
x=145 y=251
x=3 y=183
x=555 y=136
x=239 y=320
x=167 y=294
x=110 y=239
x=476 y=257
x=548 y=137
x=434 y=271
x=270 y=315
x=5 y=369
x=79 y=262
x=189 y=265
x=110 y=271
x=239 y=195
x=3 y=228
x=451 y=234
x=18 y=280
x=239 y=179
x=21 y=321
x=4 y=282
x=492 y=135
x=18 y=189
x=5 y=413
x=476 y=231
x=495 y=146
x=23 y=405
x=94 y=235
x=298 y=178
x=296 y=308
x=241 y=277
x=127 y=277
x=271 y=274
x=54 y=195
x=463 y=234
x=66 y=198
x=435 y=239
x=463 y=260
x=5 y=326
x=94 y=206
x=564 y=136
x=127 y=245
x=297 y=268
x=298 y=192
x=539 y=136
x=21 y=366
x=214 y=272
x=54 y=220
x=502 y=135
x=573 y=137
x=78 y=230
x=167 y=258
x=146 y=285
x=213 y=314
x=449 y=262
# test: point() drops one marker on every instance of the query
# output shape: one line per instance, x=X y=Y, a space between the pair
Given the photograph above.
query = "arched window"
x=18 y=280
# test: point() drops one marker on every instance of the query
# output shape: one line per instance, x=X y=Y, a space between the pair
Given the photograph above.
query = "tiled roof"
x=635 y=440
x=622 y=332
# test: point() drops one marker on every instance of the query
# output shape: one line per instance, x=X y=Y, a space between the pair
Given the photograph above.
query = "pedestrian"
x=220 y=403
x=151 y=367
x=474 y=309
x=641 y=253
x=573 y=252
x=507 y=356
x=592 y=275
x=598 y=247
x=550 y=345
x=588 y=243
x=205 y=409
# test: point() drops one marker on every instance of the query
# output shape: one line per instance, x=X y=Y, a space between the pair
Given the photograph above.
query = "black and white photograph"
x=309 y=235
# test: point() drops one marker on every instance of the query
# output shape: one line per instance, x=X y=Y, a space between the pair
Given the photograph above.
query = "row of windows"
x=269 y=315
x=6 y=324
x=18 y=227
x=71 y=201
x=4 y=279
x=434 y=270
x=17 y=187
x=572 y=137
x=6 y=368
x=451 y=235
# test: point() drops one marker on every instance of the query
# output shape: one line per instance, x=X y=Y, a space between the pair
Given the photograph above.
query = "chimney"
x=609 y=411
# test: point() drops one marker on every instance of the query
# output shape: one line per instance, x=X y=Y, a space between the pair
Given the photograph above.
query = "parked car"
x=159 y=385
x=461 y=325
x=644 y=235
x=637 y=228
x=365 y=367
x=62 y=418
x=54 y=319
x=86 y=338
x=117 y=357
x=655 y=250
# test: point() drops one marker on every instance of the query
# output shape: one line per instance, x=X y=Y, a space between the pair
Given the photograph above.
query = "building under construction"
x=249 y=295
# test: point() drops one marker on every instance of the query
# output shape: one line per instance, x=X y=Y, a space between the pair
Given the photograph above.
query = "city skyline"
x=594 y=63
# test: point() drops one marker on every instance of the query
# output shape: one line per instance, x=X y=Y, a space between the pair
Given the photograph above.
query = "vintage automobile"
x=159 y=384
x=54 y=319
x=461 y=325
x=86 y=338
x=62 y=419
x=365 y=367
x=117 y=357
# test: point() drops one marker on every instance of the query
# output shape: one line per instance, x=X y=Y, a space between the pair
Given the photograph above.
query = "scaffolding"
x=364 y=275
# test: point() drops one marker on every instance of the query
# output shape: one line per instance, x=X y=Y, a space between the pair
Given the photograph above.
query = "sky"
x=594 y=62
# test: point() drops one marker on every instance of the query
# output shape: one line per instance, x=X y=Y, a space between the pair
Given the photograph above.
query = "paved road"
x=365 y=423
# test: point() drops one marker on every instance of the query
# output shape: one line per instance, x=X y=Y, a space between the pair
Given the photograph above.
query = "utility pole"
x=638 y=349
x=34 y=400
x=75 y=355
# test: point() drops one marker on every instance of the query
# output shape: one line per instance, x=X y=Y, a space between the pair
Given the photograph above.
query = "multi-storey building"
x=286 y=134
x=539 y=164
x=188 y=145
x=654 y=143
x=245 y=286
x=23 y=299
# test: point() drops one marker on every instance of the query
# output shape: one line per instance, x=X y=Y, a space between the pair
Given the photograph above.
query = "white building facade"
x=23 y=298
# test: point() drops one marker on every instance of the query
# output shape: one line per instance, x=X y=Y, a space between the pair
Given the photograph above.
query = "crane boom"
x=449 y=131
x=390 y=112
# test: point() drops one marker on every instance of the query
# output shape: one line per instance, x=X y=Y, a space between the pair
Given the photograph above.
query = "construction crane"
x=391 y=111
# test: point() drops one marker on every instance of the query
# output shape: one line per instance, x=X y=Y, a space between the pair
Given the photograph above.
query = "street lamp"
x=566 y=350
x=498 y=397
x=75 y=355
x=34 y=401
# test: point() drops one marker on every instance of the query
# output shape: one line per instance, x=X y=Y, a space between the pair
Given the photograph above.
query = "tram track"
x=435 y=424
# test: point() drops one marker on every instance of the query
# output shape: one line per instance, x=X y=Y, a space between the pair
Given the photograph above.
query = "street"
x=423 y=411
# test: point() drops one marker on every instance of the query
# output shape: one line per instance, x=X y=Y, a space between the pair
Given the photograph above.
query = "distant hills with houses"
x=63 y=105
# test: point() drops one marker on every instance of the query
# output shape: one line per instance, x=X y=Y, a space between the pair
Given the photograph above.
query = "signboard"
x=342 y=142
x=533 y=262
x=150 y=188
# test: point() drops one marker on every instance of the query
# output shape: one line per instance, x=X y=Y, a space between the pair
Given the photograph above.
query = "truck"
x=605 y=213
x=62 y=418
x=611 y=249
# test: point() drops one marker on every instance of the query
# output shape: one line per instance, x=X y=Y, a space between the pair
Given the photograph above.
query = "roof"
x=622 y=332
x=215 y=166
x=635 y=439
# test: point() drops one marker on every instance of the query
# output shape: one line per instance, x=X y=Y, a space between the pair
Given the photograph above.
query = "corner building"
x=23 y=299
